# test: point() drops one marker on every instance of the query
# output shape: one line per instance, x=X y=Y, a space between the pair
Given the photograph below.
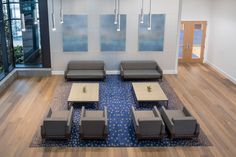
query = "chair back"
x=93 y=127
x=150 y=126
x=54 y=127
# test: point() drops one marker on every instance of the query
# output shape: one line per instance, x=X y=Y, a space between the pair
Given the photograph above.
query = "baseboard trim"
x=232 y=79
x=170 y=72
x=58 y=72
x=114 y=72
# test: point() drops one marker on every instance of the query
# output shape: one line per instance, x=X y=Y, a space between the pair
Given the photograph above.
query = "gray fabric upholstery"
x=57 y=124
x=140 y=70
x=148 y=124
x=93 y=124
x=85 y=70
x=180 y=123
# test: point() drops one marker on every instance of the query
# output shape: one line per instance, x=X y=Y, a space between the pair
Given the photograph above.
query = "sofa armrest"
x=158 y=68
x=69 y=122
x=156 y=112
x=65 y=74
x=121 y=70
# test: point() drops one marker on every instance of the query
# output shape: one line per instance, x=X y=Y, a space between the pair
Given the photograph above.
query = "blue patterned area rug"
x=118 y=96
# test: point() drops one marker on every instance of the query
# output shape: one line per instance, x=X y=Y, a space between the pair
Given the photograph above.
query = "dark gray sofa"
x=140 y=70
x=180 y=123
x=57 y=125
x=85 y=70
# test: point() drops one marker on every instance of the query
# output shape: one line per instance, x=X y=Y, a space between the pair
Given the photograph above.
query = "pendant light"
x=116 y=13
x=141 y=15
x=150 y=16
x=118 y=25
x=23 y=29
x=53 y=17
x=61 y=12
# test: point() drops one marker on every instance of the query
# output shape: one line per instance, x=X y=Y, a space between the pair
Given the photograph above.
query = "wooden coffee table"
x=149 y=92
x=83 y=93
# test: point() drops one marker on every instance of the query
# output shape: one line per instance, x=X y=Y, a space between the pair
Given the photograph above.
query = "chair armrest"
x=197 y=129
x=105 y=115
x=135 y=119
x=49 y=113
x=70 y=117
x=156 y=112
x=186 y=112
x=43 y=132
x=167 y=121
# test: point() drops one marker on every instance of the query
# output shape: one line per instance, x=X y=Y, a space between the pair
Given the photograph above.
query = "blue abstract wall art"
x=75 y=34
x=152 y=40
x=110 y=39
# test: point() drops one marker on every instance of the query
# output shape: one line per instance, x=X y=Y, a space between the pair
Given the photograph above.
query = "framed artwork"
x=152 y=40
x=75 y=33
x=111 y=39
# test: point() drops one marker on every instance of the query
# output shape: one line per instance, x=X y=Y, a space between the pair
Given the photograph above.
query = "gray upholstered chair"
x=148 y=124
x=140 y=70
x=93 y=124
x=85 y=70
x=180 y=123
x=57 y=125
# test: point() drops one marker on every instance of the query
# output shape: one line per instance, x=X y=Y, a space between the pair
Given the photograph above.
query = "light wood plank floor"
x=207 y=94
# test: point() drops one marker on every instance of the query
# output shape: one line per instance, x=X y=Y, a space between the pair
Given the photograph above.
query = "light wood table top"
x=84 y=92
x=154 y=93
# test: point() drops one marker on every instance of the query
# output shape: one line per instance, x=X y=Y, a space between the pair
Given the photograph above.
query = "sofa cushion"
x=86 y=65
x=85 y=74
x=138 y=65
x=141 y=74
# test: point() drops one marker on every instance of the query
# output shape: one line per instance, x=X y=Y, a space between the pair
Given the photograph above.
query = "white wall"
x=198 y=10
x=94 y=8
x=222 y=42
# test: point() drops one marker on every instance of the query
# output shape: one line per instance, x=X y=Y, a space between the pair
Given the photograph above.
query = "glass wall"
x=26 y=33
x=20 y=42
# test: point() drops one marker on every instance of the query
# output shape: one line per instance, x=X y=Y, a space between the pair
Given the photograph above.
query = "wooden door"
x=192 y=41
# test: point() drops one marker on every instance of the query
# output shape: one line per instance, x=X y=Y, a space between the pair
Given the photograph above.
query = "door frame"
x=188 y=42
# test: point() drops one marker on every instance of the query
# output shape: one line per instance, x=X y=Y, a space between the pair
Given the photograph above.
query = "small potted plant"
x=149 y=88
x=84 y=89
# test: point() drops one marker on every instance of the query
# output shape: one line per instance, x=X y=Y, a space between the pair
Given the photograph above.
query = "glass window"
x=1 y=60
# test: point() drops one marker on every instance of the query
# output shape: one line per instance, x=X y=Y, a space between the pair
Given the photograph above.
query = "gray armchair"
x=140 y=70
x=85 y=70
x=93 y=124
x=180 y=123
x=148 y=124
x=57 y=125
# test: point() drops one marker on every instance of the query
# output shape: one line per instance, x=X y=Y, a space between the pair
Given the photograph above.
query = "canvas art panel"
x=75 y=33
